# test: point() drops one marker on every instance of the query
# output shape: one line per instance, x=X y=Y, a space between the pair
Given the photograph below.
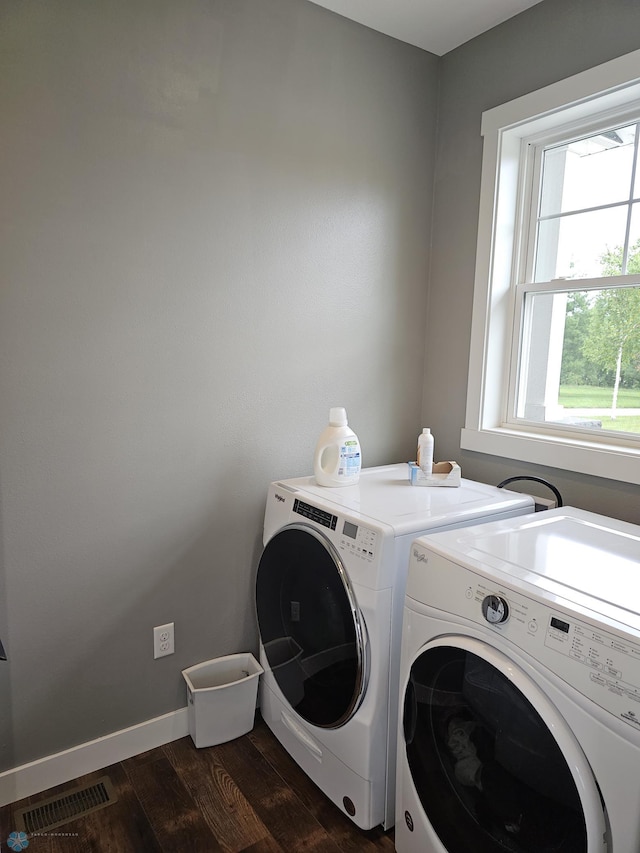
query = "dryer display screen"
x=315 y=514
x=350 y=530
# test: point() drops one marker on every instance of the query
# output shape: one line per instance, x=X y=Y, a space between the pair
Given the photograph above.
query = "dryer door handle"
x=303 y=736
x=410 y=716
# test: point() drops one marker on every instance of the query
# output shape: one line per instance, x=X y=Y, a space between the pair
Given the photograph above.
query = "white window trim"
x=610 y=88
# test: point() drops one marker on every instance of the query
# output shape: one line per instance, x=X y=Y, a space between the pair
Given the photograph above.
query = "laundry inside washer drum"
x=469 y=731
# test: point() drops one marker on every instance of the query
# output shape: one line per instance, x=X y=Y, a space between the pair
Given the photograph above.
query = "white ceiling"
x=434 y=25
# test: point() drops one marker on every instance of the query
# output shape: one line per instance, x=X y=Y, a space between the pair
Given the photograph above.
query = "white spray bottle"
x=424 y=456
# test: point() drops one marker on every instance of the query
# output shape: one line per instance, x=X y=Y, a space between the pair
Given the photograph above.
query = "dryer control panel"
x=596 y=658
x=356 y=540
x=320 y=516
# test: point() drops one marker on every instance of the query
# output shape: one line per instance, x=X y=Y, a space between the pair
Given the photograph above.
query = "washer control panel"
x=613 y=663
x=595 y=657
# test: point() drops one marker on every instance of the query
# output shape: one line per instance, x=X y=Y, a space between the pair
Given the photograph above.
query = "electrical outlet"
x=163 y=640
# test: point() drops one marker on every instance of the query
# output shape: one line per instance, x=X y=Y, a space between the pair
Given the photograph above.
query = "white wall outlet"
x=163 y=640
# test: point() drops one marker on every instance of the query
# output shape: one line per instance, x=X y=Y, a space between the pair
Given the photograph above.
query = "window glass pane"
x=588 y=173
x=576 y=246
x=580 y=359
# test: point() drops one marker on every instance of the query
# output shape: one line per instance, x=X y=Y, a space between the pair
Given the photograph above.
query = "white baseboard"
x=64 y=766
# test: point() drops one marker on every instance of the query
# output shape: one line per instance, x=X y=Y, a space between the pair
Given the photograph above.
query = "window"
x=554 y=374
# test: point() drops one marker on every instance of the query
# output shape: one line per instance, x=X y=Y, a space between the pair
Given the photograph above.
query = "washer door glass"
x=310 y=626
x=489 y=773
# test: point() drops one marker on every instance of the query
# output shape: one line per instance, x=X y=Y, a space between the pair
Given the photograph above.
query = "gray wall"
x=550 y=41
x=215 y=221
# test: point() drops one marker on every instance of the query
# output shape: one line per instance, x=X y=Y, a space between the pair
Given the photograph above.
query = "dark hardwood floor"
x=247 y=795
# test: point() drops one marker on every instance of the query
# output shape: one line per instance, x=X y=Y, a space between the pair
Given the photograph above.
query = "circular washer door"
x=494 y=764
x=310 y=626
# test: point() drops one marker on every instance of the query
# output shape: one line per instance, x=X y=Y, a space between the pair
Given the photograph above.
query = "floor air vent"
x=74 y=803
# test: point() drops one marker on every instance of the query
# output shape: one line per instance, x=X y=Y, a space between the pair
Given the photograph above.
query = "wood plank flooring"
x=246 y=796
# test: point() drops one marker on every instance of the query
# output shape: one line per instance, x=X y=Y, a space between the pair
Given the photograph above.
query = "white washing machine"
x=329 y=596
x=520 y=689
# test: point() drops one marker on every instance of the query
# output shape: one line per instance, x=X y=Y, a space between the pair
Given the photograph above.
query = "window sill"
x=570 y=454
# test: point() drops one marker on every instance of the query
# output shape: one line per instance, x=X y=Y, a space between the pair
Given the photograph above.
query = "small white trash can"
x=221 y=696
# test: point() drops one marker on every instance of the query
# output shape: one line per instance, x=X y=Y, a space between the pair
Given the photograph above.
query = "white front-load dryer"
x=329 y=597
x=519 y=715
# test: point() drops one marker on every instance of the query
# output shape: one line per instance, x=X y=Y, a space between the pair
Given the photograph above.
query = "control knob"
x=495 y=609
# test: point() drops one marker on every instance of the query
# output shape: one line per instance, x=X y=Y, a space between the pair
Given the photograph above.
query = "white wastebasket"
x=221 y=695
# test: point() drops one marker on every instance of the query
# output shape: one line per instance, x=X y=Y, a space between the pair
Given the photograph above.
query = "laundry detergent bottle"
x=337 y=459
